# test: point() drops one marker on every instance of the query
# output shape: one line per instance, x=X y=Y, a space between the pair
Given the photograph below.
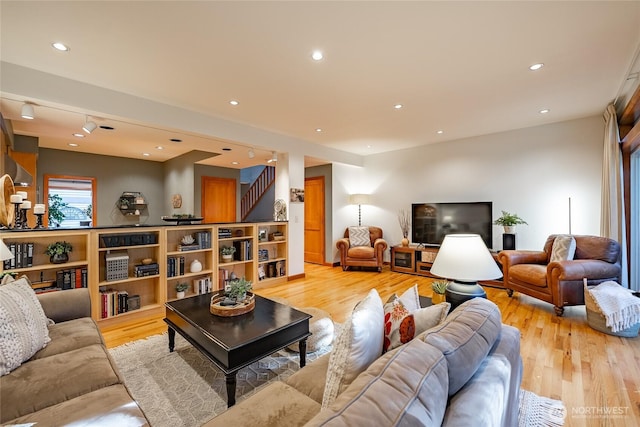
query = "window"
x=71 y=201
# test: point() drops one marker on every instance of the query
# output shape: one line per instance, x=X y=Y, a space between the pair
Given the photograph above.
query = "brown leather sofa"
x=560 y=283
x=363 y=256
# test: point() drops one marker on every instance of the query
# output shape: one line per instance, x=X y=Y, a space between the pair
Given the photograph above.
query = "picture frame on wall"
x=297 y=195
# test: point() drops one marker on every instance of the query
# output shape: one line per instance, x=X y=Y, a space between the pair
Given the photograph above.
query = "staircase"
x=253 y=195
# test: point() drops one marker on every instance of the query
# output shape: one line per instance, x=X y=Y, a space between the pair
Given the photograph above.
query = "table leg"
x=172 y=339
x=302 y=347
x=231 y=389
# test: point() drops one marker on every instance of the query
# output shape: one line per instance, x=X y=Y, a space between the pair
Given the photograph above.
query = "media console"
x=418 y=259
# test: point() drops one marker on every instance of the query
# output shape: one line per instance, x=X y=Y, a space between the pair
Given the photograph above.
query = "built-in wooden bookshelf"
x=133 y=265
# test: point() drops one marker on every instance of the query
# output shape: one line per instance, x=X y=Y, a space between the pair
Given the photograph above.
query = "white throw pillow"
x=411 y=298
x=358 y=344
x=563 y=249
x=359 y=236
x=23 y=325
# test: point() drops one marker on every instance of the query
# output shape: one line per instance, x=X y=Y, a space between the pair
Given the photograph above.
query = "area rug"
x=184 y=389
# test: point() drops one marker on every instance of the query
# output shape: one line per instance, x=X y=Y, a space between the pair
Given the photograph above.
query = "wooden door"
x=314 y=220
x=218 y=199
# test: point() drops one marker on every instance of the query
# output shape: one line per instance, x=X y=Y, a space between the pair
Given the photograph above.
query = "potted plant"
x=238 y=289
x=439 y=287
x=403 y=220
x=124 y=203
x=227 y=253
x=509 y=221
x=180 y=289
x=58 y=252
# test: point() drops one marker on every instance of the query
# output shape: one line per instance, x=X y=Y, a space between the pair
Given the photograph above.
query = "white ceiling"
x=460 y=67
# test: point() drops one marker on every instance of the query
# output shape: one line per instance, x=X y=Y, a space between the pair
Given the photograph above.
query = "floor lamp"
x=359 y=199
x=464 y=259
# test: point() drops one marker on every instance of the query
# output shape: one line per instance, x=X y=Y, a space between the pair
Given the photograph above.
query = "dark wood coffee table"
x=232 y=343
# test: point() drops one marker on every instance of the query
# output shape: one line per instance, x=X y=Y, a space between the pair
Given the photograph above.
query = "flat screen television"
x=430 y=222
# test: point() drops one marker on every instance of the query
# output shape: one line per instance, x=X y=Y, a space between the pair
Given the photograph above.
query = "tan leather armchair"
x=363 y=256
x=560 y=283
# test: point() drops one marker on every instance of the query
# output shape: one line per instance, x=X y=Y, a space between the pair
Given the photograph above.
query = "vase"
x=437 y=298
x=180 y=294
x=196 y=266
x=405 y=241
x=509 y=229
x=59 y=258
x=227 y=258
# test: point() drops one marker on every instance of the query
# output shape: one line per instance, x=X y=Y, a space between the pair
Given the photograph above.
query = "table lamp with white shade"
x=464 y=259
x=5 y=253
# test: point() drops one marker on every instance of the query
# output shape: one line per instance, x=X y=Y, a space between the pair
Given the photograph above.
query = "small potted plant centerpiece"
x=59 y=252
x=439 y=287
x=238 y=289
x=235 y=301
x=227 y=253
x=180 y=289
x=509 y=221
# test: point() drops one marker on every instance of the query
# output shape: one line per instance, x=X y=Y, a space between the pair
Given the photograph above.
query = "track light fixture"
x=89 y=126
x=251 y=153
x=274 y=157
x=27 y=111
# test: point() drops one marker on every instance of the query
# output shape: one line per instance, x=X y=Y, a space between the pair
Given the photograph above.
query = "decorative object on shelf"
x=58 y=252
x=509 y=221
x=38 y=211
x=235 y=301
x=439 y=288
x=24 y=207
x=7 y=189
x=403 y=220
x=124 y=203
x=55 y=214
x=146 y=261
x=180 y=290
x=181 y=219
x=465 y=259
x=227 y=253
x=279 y=210
x=359 y=199
x=195 y=266
x=262 y=235
x=131 y=203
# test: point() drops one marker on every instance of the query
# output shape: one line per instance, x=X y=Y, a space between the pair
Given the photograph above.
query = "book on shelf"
x=113 y=302
x=203 y=285
x=192 y=247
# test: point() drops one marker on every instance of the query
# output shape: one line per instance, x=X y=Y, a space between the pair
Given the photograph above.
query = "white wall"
x=531 y=172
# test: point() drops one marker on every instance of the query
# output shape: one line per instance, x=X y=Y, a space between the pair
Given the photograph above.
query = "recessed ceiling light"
x=226 y=149
x=397 y=106
x=234 y=102
x=105 y=127
x=159 y=147
x=175 y=140
x=235 y=163
x=537 y=66
x=317 y=55
x=440 y=132
x=318 y=129
x=544 y=111
x=60 y=46
x=368 y=146
x=78 y=135
x=73 y=144
x=146 y=154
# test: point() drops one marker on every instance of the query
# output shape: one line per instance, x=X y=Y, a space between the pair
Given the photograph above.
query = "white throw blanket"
x=620 y=308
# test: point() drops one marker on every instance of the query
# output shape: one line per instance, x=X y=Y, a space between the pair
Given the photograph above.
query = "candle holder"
x=17 y=221
x=38 y=221
x=25 y=223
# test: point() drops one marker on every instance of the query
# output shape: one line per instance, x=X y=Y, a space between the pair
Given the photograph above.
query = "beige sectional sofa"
x=466 y=371
x=72 y=380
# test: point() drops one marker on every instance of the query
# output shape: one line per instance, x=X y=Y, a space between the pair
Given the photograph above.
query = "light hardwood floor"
x=594 y=374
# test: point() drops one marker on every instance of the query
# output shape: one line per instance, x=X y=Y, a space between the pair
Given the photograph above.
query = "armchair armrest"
x=512 y=257
x=342 y=244
x=380 y=243
x=66 y=305
x=580 y=268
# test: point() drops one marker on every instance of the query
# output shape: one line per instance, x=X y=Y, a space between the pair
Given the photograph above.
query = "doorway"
x=314 y=226
x=218 y=199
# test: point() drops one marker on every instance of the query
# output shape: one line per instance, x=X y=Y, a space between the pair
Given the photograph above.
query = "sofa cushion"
x=358 y=344
x=109 y=406
x=23 y=325
x=465 y=338
x=402 y=324
x=406 y=386
x=276 y=405
x=359 y=236
x=534 y=274
x=70 y=335
x=51 y=380
x=361 y=252
x=563 y=249
x=310 y=381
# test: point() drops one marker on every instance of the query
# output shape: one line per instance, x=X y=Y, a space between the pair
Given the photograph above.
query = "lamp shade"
x=359 y=199
x=465 y=258
x=5 y=253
